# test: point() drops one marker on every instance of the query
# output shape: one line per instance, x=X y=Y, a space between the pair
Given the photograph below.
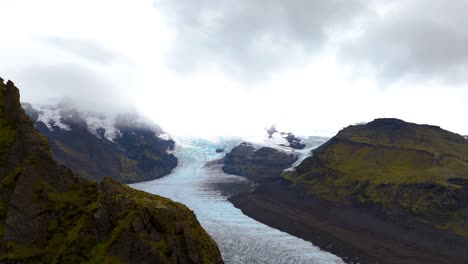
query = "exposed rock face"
x=258 y=165
x=49 y=215
x=219 y=150
x=292 y=141
x=127 y=151
x=403 y=168
x=272 y=130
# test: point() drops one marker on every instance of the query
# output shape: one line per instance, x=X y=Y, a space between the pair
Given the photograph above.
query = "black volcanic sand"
x=357 y=234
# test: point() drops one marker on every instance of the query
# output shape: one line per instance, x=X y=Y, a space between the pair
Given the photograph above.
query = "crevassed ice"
x=240 y=238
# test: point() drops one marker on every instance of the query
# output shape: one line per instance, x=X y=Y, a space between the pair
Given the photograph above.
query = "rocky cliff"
x=259 y=165
x=125 y=147
x=398 y=167
x=50 y=215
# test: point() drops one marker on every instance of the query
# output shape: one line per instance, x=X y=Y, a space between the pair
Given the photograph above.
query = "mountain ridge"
x=394 y=164
x=124 y=147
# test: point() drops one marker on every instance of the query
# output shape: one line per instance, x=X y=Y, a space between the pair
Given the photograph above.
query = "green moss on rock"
x=21 y=253
x=7 y=134
x=420 y=169
x=7 y=128
x=10 y=180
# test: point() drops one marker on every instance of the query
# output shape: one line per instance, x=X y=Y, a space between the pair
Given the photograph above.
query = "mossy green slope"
x=49 y=215
x=419 y=170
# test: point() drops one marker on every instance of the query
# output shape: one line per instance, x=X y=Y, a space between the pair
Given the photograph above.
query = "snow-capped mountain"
x=267 y=159
x=288 y=143
x=126 y=147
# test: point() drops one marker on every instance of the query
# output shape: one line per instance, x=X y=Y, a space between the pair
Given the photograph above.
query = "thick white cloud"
x=252 y=39
x=75 y=83
x=418 y=39
x=210 y=68
x=86 y=49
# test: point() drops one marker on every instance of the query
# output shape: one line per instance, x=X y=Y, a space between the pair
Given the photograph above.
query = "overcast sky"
x=230 y=67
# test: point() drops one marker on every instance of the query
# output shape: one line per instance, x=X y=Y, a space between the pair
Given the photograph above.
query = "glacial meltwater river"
x=240 y=238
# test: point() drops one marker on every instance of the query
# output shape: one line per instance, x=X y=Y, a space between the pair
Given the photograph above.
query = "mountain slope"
x=401 y=167
x=384 y=192
x=123 y=148
x=49 y=215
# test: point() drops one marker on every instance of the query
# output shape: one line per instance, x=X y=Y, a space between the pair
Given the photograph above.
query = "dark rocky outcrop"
x=219 y=150
x=50 y=215
x=259 y=165
x=293 y=141
x=135 y=154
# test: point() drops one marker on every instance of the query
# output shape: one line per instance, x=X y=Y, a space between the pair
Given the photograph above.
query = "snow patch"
x=279 y=142
x=96 y=122
x=51 y=116
x=101 y=125
x=164 y=137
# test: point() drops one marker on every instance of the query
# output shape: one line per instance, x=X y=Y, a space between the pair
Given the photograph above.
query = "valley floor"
x=356 y=235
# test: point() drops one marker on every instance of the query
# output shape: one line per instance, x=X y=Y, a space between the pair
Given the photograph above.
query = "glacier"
x=205 y=189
